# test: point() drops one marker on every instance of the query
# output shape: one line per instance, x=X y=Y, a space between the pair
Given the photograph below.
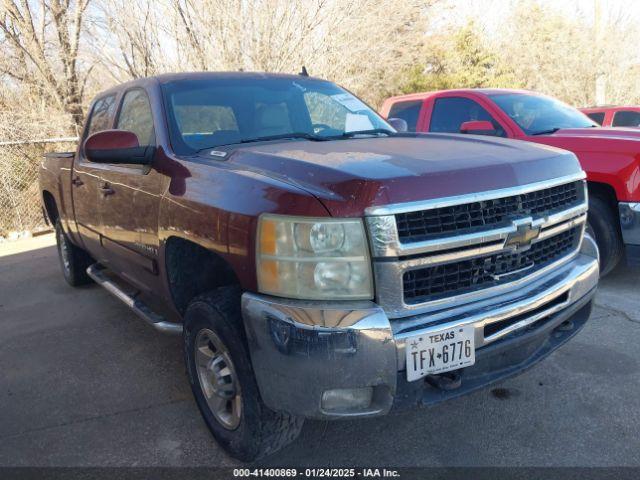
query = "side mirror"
x=399 y=124
x=117 y=146
x=478 y=127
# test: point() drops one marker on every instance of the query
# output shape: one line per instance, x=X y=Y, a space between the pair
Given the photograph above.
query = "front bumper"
x=300 y=350
x=630 y=226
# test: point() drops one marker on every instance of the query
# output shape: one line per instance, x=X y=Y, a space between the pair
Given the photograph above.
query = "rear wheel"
x=223 y=382
x=603 y=225
x=73 y=260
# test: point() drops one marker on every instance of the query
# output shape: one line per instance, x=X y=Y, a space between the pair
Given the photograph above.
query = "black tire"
x=74 y=266
x=603 y=224
x=260 y=430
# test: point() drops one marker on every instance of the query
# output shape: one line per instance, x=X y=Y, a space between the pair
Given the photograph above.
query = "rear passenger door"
x=626 y=118
x=130 y=200
x=447 y=114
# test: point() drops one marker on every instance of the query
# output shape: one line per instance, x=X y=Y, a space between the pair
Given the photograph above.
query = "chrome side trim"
x=395 y=208
x=138 y=307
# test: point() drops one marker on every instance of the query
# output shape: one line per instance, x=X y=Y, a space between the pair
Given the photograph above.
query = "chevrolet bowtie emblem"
x=523 y=236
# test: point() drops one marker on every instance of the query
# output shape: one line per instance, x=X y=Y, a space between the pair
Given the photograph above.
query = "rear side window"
x=101 y=115
x=135 y=116
x=597 y=117
x=451 y=112
x=626 y=118
x=407 y=111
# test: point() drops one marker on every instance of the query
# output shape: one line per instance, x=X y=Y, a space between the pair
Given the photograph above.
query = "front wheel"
x=603 y=225
x=223 y=382
x=73 y=260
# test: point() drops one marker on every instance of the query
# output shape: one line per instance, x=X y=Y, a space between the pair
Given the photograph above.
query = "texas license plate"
x=440 y=351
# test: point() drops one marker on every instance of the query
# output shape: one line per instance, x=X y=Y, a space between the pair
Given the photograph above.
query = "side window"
x=451 y=112
x=407 y=111
x=135 y=116
x=626 y=119
x=597 y=117
x=101 y=115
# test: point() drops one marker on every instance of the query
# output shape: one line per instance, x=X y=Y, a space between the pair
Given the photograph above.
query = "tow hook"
x=565 y=326
x=445 y=381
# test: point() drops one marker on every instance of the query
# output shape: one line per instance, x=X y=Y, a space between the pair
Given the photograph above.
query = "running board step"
x=97 y=273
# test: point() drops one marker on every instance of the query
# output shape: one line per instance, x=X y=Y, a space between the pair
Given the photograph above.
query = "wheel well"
x=604 y=192
x=193 y=270
x=50 y=207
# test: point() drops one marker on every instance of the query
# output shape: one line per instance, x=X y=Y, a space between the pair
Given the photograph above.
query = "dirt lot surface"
x=84 y=382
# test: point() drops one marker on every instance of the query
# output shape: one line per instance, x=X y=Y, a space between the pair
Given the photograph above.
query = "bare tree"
x=363 y=44
x=131 y=45
x=42 y=48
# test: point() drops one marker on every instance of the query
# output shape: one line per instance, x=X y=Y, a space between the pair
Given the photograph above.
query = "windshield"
x=537 y=115
x=208 y=113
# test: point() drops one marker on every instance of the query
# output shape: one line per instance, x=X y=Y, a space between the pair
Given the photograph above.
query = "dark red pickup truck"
x=611 y=157
x=318 y=263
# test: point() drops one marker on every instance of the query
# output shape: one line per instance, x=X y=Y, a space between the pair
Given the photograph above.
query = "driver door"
x=446 y=114
x=86 y=177
x=130 y=201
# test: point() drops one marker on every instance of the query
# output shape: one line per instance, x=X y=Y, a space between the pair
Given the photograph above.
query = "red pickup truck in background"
x=614 y=116
x=611 y=157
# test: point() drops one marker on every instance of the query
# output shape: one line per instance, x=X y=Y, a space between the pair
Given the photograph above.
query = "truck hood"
x=610 y=141
x=604 y=132
x=348 y=176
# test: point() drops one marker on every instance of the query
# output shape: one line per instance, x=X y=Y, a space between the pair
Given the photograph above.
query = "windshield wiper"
x=547 y=132
x=373 y=131
x=284 y=136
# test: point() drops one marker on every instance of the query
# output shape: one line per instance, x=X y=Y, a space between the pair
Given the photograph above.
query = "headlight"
x=313 y=258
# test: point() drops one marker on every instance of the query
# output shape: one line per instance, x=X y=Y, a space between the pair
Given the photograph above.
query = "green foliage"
x=460 y=60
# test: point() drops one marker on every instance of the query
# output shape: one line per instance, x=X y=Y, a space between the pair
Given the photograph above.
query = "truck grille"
x=460 y=277
x=426 y=224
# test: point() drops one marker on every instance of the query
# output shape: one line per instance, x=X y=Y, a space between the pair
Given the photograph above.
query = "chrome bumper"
x=300 y=350
x=630 y=226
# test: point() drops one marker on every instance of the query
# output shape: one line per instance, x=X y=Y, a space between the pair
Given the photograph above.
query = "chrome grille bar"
x=393 y=257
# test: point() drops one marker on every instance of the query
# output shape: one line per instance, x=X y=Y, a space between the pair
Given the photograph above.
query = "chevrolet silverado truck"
x=317 y=263
x=610 y=157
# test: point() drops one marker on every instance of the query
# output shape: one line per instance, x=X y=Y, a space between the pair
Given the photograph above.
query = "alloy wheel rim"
x=64 y=251
x=218 y=379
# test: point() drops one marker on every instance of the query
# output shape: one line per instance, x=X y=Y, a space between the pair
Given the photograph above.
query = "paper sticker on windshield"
x=349 y=102
x=357 y=123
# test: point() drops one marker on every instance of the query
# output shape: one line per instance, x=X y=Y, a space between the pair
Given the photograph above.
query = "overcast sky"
x=490 y=13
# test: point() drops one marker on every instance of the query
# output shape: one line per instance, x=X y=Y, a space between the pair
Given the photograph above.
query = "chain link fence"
x=20 y=200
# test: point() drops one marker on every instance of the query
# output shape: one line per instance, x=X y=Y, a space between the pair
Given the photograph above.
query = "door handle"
x=77 y=181
x=107 y=190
